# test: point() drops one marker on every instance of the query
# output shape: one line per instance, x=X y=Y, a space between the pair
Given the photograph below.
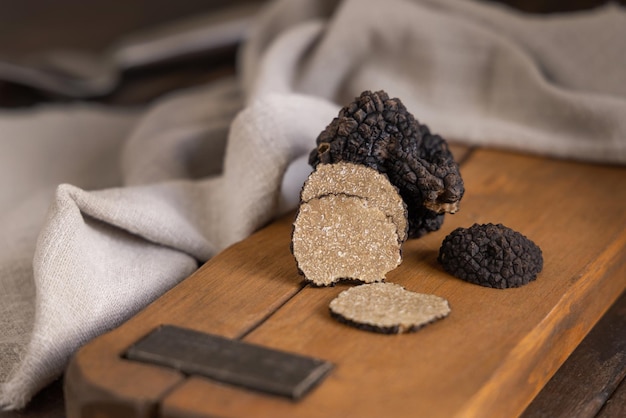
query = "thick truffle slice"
x=361 y=181
x=491 y=255
x=387 y=308
x=379 y=132
x=339 y=237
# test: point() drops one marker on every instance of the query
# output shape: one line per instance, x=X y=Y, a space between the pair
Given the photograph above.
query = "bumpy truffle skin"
x=379 y=132
x=491 y=255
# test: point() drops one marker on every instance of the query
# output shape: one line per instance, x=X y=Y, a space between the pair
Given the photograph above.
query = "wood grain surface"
x=94 y=25
x=615 y=407
x=590 y=375
x=490 y=357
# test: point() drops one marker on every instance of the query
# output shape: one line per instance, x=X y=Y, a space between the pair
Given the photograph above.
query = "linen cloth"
x=102 y=210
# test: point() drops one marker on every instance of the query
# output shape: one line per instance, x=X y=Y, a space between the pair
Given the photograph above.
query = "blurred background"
x=29 y=28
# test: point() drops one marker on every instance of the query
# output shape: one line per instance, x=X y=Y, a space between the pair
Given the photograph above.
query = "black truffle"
x=379 y=132
x=491 y=255
x=387 y=308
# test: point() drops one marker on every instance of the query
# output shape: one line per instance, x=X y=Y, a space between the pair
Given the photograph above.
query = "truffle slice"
x=379 y=132
x=361 y=181
x=339 y=237
x=387 y=308
x=491 y=255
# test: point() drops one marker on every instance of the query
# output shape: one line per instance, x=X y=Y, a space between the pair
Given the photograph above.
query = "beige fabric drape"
x=102 y=210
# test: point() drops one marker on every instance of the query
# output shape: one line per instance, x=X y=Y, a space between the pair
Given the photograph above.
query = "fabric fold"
x=99 y=276
x=466 y=80
x=105 y=209
x=103 y=255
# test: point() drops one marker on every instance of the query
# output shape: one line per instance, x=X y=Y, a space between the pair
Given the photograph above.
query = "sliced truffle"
x=491 y=255
x=361 y=181
x=379 y=132
x=339 y=237
x=387 y=308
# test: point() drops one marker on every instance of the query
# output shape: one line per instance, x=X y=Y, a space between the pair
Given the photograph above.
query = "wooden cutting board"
x=489 y=358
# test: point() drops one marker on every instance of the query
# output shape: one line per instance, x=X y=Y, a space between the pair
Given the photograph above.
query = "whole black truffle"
x=379 y=132
x=491 y=255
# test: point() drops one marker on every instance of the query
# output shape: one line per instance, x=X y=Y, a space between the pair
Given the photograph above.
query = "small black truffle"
x=491 y=255
x=379 y=132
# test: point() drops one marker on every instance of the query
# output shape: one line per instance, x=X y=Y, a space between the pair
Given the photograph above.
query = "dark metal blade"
x=230 y=361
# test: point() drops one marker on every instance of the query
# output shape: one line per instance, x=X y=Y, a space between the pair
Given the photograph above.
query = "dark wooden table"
x=591 y=381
